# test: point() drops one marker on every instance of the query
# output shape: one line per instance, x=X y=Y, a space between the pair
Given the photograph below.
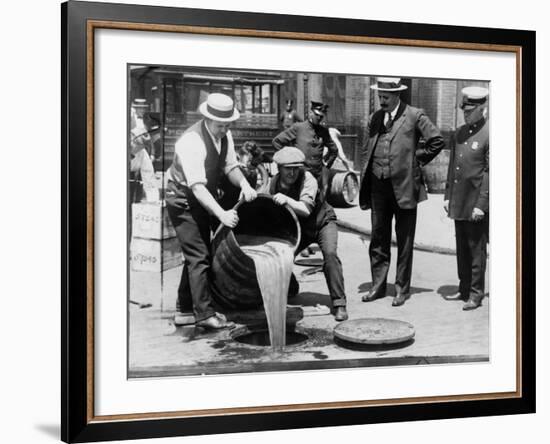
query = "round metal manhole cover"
x=374 y=331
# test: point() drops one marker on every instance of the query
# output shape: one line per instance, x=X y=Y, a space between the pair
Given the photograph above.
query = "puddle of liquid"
x=273 y=259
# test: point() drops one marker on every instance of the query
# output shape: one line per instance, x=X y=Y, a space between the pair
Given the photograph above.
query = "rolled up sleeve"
x=231 y=157
x=190 y=154
x=309 y=191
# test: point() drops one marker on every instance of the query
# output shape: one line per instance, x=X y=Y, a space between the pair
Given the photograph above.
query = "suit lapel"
x=400 y=118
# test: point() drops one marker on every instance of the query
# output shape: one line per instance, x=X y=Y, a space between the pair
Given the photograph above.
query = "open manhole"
x=260 y=338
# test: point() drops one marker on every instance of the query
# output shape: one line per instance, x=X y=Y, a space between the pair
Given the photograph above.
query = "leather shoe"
x=370 y=296
x=341 y=313
x=472 y=303
x=216 y=322
x=456 y=297
x=399 y=299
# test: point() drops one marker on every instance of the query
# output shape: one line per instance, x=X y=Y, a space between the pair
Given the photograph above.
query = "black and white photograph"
x=285 y=221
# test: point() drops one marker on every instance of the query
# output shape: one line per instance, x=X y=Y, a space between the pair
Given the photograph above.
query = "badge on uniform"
x=475 y=145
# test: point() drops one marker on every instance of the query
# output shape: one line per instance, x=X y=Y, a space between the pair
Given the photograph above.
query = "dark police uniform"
x=311 y=140
x=468 y=188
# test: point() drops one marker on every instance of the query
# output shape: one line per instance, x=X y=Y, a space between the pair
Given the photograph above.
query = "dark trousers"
x=384 y=208
x=471 y=255
x=193 y=231
x=327 y=238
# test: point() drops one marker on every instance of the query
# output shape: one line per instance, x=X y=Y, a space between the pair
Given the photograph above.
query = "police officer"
x=467 y=195
x=297 y=188
x=311 y=137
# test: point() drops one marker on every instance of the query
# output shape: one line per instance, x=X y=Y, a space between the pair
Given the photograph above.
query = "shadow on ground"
x=390 y=289
x=311 y=299
x=52 y=430
x=372 y=347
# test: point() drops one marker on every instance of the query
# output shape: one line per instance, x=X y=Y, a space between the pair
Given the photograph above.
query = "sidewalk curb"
x=348 y=226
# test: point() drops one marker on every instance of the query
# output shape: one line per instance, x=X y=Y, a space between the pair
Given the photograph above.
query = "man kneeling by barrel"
x=299 y=190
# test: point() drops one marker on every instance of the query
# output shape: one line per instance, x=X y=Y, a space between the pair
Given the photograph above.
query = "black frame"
x=76 y=423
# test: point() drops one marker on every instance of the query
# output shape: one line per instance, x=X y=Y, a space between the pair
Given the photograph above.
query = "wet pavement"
x=444 y=333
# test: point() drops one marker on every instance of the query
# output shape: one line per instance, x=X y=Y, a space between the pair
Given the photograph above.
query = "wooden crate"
x=150 y=221
x=155 y=255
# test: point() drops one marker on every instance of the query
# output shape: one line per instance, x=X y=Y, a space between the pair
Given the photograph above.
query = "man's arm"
x=450 y=170
x=308 y=192
x=236 y=177
x=483 y=199
x=434 y=142
x=299 y=207
x=366 y=137
x=285 y=138
x=332 y=153
x=228 y=218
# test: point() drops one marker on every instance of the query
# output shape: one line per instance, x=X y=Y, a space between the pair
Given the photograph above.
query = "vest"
x=381 y=155
x=213 y=166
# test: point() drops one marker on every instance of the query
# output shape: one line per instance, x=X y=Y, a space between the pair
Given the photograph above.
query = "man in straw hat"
x=391 y=183
x=202 y=154
x=297 y=188
x=467 y=196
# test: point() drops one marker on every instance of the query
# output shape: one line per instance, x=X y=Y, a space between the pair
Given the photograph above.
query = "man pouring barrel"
x=297 y=188
x=203 y=154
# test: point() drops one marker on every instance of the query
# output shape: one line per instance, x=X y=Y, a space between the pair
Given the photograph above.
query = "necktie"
x=389 y=122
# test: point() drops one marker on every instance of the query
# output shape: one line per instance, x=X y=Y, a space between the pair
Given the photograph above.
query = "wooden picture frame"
x=80 y=22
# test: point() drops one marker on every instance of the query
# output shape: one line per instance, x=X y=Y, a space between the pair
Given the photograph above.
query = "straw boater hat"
x=140 y=104
x=289 y=156
x=389 y=84
x=219 y=107
x=473 y=96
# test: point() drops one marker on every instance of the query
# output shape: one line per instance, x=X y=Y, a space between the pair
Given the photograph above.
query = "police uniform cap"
x=319 y=108
x=289 y=156
x=473 y=96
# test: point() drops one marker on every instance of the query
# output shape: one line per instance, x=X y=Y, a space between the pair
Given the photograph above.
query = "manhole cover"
x=374 y=331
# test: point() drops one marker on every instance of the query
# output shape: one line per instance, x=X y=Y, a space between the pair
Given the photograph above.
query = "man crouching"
x=298 y=189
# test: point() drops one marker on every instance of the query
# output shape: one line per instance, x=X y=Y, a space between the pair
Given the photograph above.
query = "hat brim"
x=290 y=165
x=319 y=113
x=469 y=106
x=204 y=111
x=399 y=88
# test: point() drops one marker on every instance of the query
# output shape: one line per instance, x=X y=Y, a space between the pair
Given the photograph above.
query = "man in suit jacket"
x=392 y=184
x=467 y=196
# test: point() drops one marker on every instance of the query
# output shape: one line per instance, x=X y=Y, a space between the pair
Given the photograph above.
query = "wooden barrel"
x=233 y=274
x=343 y=188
